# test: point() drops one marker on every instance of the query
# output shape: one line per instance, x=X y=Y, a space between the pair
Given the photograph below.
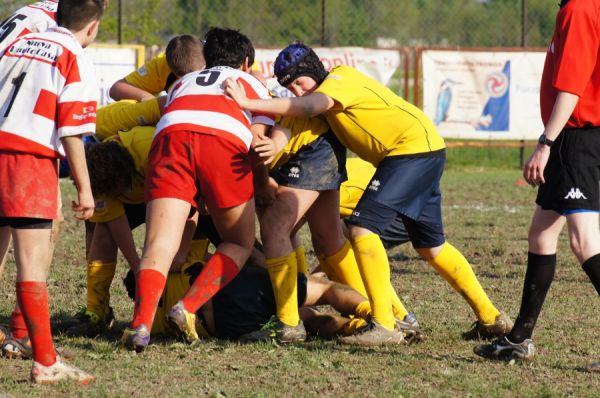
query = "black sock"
x=538 y=278
x=592 y=269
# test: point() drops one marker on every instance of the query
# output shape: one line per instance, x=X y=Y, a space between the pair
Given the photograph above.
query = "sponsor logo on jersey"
x=142 y=71
x=100 y=205
x=87 y=112
x=374 y=186
x=294 y=172
x=37 y=49
x=49 y=6
x=575 y=193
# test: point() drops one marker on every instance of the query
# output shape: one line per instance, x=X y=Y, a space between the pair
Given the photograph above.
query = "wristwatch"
x=545 y=141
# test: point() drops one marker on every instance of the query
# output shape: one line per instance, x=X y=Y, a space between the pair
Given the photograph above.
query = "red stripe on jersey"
x=76 y=113
x=210 y=103
x=68 y=68
x=45 y=105
x=250 y=93
x=14 y=143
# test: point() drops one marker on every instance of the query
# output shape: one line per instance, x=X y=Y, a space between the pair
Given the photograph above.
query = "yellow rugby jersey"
x=154 y=76
x=124 y=115
x=303 y=131
x=137 y=141
x=359 y=173
x=372 y=121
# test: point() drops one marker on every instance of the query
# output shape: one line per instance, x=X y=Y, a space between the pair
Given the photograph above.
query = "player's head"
x=81 y=17
x=228 y=47
x=298 y=60
x=184 y=55
x=111 y=168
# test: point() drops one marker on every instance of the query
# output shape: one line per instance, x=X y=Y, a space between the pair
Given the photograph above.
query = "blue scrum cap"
x=298 y=60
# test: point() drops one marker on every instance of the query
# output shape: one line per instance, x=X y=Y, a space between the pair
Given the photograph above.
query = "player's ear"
x=91 y=31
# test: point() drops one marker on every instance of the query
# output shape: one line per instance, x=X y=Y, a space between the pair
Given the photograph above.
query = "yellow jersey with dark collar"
x=372 y=121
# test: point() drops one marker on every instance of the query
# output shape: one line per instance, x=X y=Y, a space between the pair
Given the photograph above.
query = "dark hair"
x=563 y=2
x=227 y=47
x=298 y=60
x=75 y=14
x=111 y=168
x=184 y=55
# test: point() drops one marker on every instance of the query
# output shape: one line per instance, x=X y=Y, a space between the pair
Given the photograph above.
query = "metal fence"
x=369 y=23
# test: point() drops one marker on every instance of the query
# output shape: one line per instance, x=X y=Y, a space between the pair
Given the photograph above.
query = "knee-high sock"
x=538 y=278
x=397 y=307
x=363 y=310
x=345 y=268
x=99 y=277
x=592 y=269
x=17 y=325
x=149 y=287
x=457 y=271
x=33 y=301
x=375 y=272
x=301 y=259
x=283 y=272
x=216 y=274
x=326 y=268
x=353 y=325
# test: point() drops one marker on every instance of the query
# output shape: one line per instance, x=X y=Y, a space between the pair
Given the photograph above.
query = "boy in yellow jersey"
x=156 y=75
x=409 y=154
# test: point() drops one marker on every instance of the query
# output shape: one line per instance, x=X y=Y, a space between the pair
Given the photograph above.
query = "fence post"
x=120 y=23
x=523 y=44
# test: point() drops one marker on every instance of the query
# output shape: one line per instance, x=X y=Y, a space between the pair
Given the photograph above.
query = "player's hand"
x=533 y=172
x=85 y=208
x=266 y=149
x=235 y=90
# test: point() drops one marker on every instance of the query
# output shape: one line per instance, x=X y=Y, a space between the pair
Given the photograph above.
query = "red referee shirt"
x=573 y=62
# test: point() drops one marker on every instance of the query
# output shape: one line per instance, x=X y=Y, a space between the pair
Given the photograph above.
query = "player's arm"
x=307 y=106
x=565 y=103
x=74 y=149
x=122 y=89
x=264 y=191
x=121 y=232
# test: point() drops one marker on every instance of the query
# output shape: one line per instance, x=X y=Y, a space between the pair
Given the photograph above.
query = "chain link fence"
x=368 y=23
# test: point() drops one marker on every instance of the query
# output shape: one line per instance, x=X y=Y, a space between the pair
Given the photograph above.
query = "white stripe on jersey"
x=208 y=119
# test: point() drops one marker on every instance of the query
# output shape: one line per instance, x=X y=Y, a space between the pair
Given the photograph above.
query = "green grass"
x=486 y=216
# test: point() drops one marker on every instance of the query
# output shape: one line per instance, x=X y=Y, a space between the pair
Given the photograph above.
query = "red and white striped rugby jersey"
x=48 y=90
x=34 y=18
x=197 y=102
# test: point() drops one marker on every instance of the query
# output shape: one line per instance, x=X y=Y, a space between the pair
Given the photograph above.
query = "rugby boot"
x=183 y=322
x=411 y=328
x=278 y=331
x=58 y=371
x=88 y=324
x=21 y=349
x=594 y=367
x=504 y=350
x=479 y=330
x=135 y=339
x=4 y=333
x=373 y=334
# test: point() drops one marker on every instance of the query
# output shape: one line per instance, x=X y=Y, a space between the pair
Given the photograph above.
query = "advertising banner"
x=378 y=64
x=483 y=95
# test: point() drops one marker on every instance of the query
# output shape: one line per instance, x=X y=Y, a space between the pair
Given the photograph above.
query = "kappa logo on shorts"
x=356 y=213
x=375 y=184
x=294 y=172
x=575 y=193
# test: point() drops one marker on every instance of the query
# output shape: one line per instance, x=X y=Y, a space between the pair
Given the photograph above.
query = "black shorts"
x=135 y=213
x=572 y=174
x=248 y=302
x=25 y=223
x=318 y=166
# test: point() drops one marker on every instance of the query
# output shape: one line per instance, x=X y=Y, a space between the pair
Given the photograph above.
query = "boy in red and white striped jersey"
x=200 y=152
x=34 y=18
x=48 y=94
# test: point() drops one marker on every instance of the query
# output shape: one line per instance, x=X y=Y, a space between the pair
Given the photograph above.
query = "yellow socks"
x=455 y=269
x=397 y=307
x=353 y=325
x=375 y=271
x=301 y=259
x=344 y=266
x=99 y=277
x=363 y=310
x=283 y=272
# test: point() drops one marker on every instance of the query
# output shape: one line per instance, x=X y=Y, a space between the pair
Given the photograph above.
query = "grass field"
x=486 y=216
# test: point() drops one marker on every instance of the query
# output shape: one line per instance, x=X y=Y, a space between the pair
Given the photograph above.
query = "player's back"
x=198 y=103
x=34 y=18
x=41 y=92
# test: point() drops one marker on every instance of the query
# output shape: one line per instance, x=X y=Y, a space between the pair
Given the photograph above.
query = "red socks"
x=33 y=302
x=149 y=287
x=18 y=327
x=217 y=273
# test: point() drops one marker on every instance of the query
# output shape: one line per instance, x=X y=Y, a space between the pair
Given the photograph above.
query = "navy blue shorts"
x=135 y=213
x=409 y=188
x=248 y=302
x=318 y=166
